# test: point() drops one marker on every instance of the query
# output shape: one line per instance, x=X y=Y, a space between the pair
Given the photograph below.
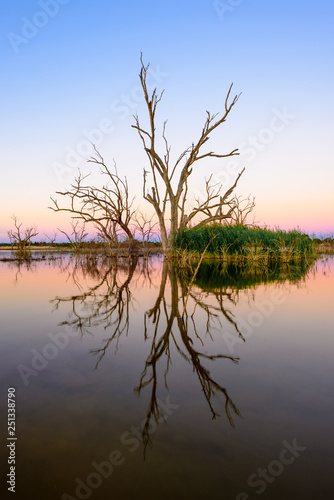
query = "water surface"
x=131 y=384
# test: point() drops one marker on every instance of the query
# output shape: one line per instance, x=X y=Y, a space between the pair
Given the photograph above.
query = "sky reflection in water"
x=238 y=381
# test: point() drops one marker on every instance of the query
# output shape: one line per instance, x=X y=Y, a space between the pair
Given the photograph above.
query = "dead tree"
x=21 y=239
x=77 y=237
x=146 y=228
x=51 y=239
x=168 y=194
x=242 y=207
x=108 y=209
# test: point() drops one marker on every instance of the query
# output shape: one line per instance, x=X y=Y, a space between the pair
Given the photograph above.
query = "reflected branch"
x=161 y=348
x=105 y=304
x=169 y=329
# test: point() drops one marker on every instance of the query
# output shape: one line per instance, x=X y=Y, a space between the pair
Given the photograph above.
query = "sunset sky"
x=69 y=74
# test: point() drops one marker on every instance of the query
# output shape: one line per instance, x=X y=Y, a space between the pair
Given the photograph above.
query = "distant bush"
x=244 y=242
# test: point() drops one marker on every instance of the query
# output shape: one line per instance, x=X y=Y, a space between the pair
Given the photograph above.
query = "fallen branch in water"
x=194 y=275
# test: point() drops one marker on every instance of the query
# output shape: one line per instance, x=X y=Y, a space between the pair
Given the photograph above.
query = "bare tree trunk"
x=174 y=222
x=163 y=234
x=170 y=193
x=109 y=209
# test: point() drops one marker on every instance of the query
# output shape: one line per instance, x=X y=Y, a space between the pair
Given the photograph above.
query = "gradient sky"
x=69 y=65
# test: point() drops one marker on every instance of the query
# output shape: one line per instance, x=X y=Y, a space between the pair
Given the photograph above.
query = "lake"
x=138 y=380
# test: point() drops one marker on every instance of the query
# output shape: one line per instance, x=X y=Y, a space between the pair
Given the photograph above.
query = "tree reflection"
x=105 y=304
x=169 y=325
x=21 y=264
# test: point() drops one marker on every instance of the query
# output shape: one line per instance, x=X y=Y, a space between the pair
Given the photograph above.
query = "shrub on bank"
x=245 y=242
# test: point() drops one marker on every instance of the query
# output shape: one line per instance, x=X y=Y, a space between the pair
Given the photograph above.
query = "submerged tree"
x=145 y=226
x=241 y=210
x=168 y=194
x=21 y=239
x=108 y=208
x=77 y=237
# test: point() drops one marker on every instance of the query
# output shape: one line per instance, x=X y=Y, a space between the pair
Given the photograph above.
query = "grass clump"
x=246 y=243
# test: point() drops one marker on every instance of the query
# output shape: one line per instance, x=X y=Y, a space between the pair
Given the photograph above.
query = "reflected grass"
x=170 y=328
x=239 y=275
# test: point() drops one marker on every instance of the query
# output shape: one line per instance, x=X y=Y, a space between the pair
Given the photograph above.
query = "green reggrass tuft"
x=246 y=243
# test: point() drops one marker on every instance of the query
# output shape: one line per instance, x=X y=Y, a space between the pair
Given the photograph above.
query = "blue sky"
x=70 y=67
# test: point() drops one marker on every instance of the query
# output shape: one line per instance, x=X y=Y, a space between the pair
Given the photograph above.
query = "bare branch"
x=109 y=209
x=21 y=241
x=242 y=207
x=145 y=227
x=76 y=238
x=213 y=206
x=175 y=196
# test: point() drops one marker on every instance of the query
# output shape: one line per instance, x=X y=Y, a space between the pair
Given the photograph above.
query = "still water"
x=134 y=382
